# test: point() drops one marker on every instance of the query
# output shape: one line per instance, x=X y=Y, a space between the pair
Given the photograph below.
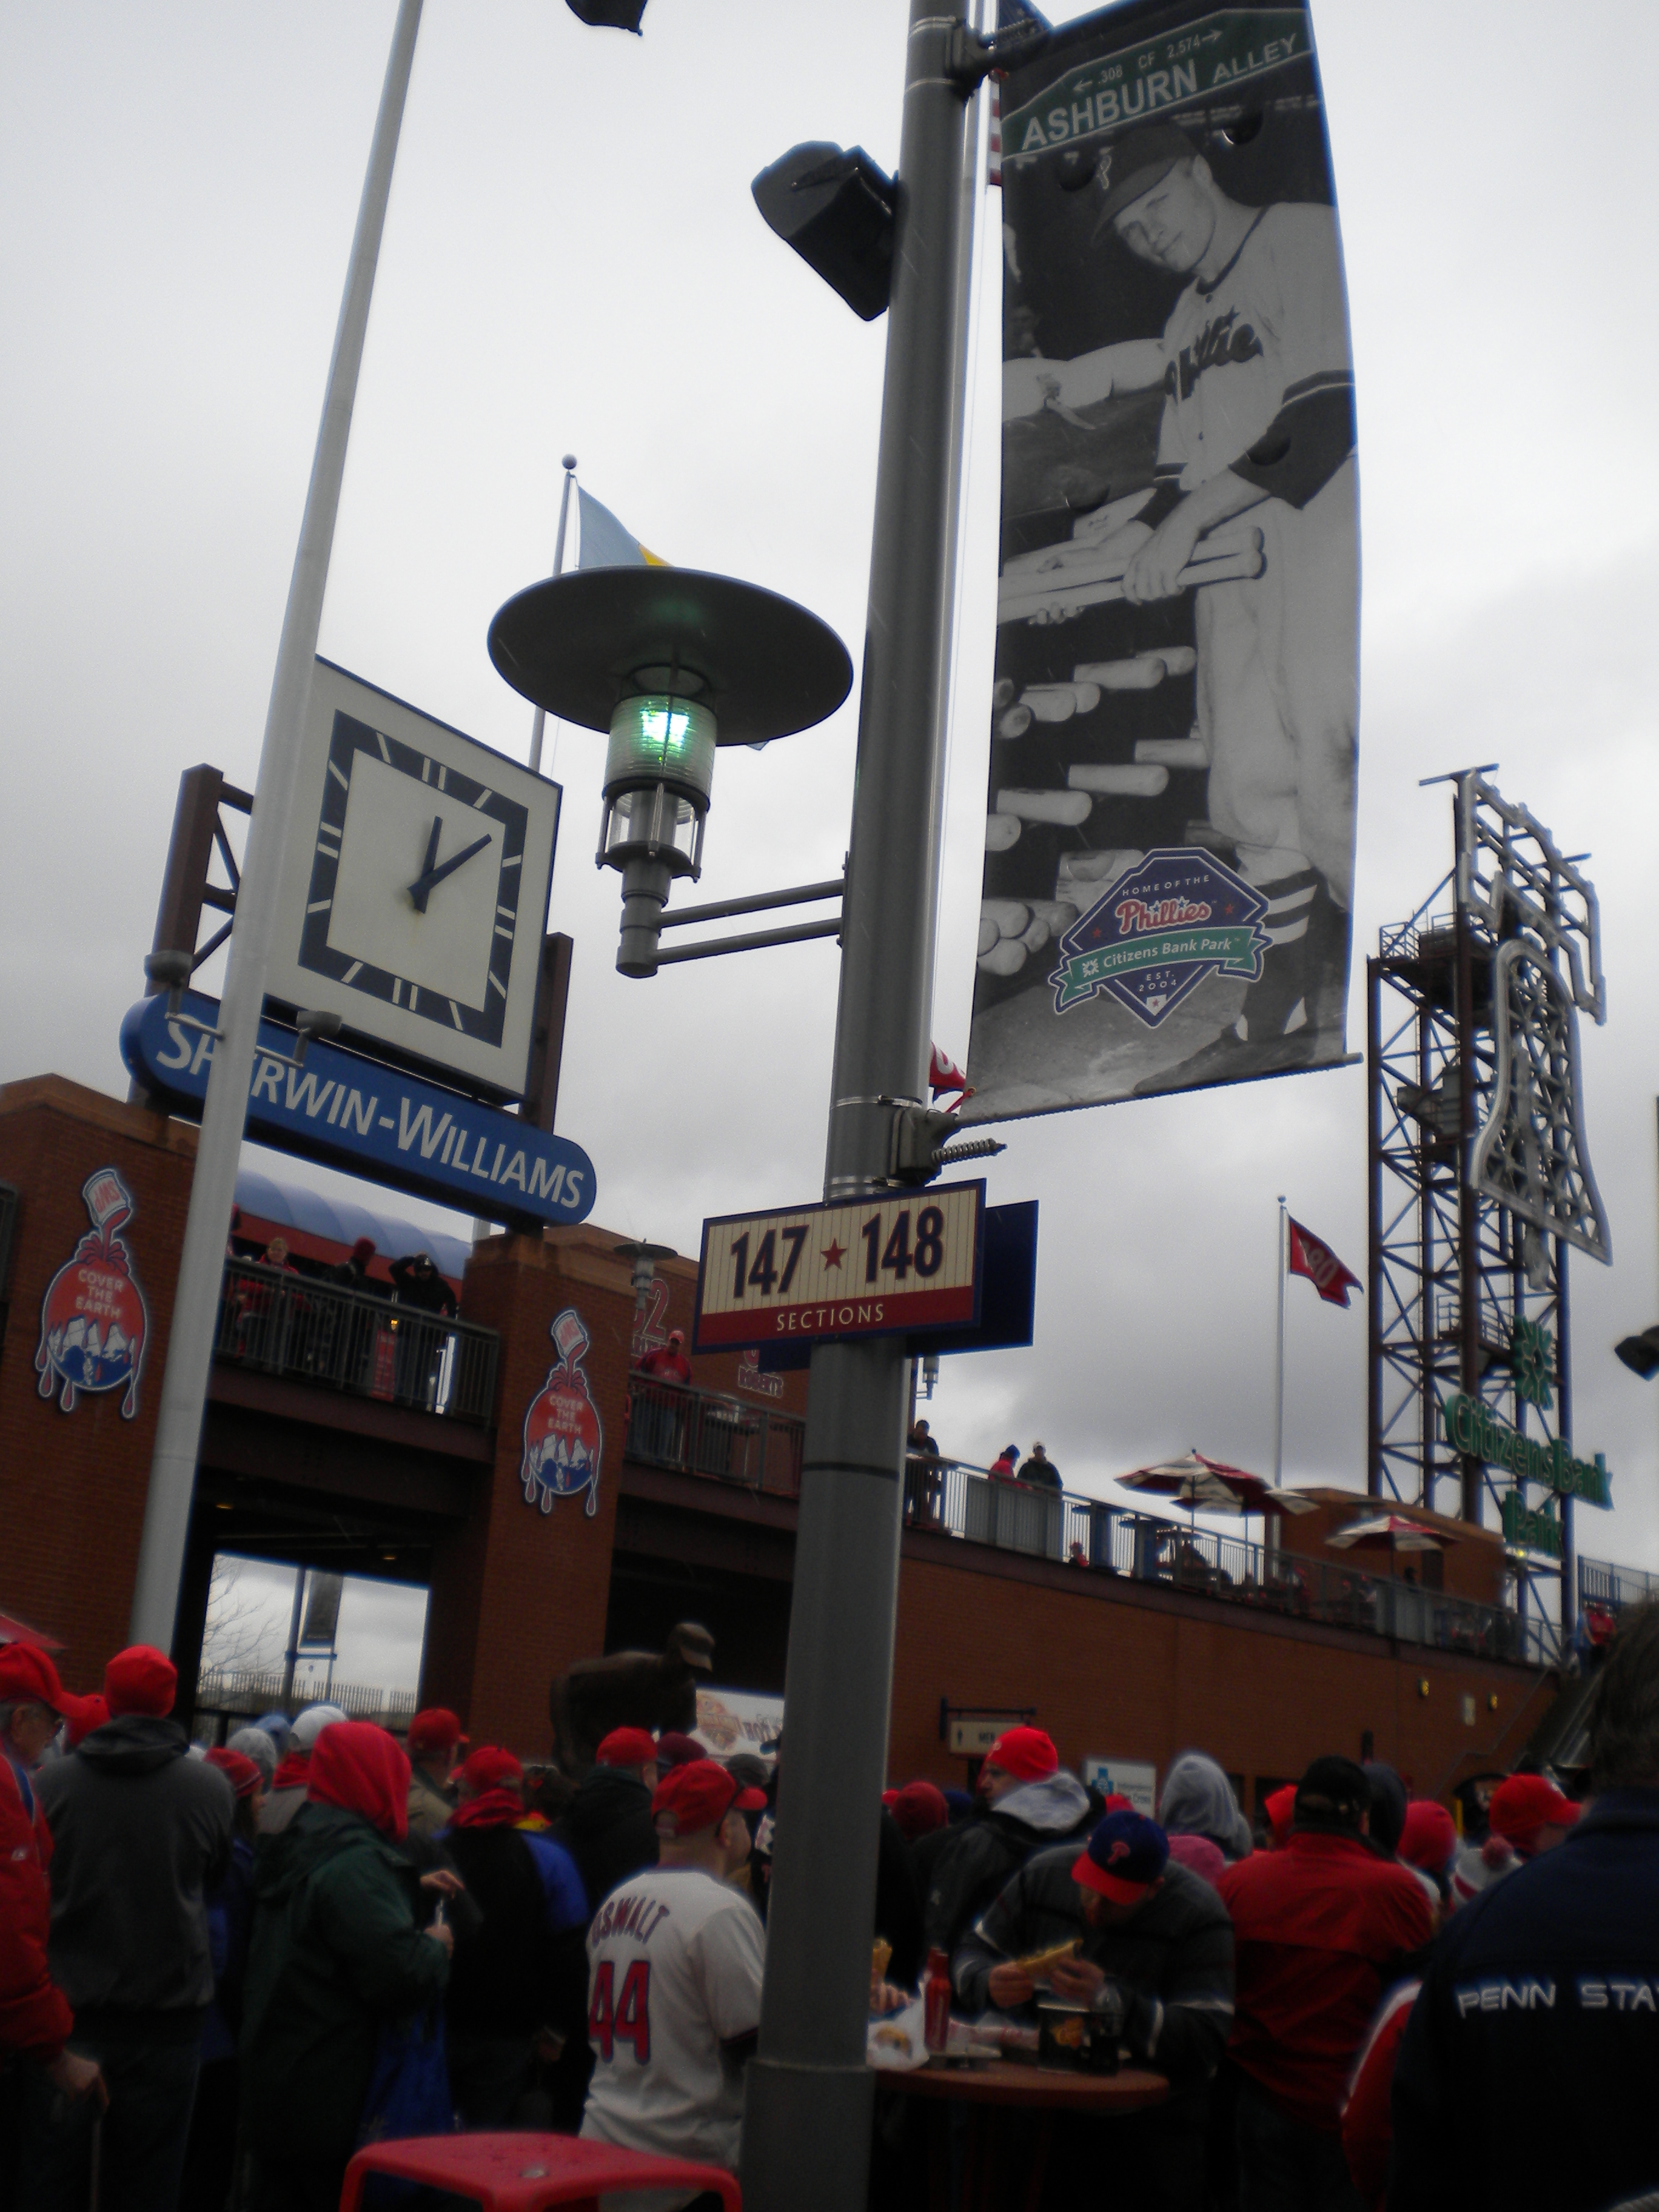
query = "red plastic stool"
x=523 y=2173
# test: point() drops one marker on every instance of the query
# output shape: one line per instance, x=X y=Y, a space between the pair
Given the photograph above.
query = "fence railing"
x=282 y=1323
x=1601 y=1583
x=705 y=1432
x=259 y=1690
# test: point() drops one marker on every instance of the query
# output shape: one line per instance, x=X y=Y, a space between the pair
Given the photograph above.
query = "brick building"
x=1124 y=1643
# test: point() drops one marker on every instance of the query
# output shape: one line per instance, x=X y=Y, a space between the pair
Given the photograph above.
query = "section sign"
x=876 y=1268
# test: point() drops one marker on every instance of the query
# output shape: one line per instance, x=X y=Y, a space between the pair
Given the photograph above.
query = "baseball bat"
x=1240 y=565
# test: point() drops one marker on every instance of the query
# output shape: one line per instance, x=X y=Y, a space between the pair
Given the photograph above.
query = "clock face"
x=416 y=877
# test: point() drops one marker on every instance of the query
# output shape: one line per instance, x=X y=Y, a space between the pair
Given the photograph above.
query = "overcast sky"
x=572 y=261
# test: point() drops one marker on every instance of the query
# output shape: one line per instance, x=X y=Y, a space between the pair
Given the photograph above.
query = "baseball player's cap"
x=1126 y=1854
x=699 y=1796
x=28 y=1677
x=1025 y=1753
x=1133 y=164
x=1333 y=1789
x=435 y=1729
x=627 y=1746
x=1526 y=1803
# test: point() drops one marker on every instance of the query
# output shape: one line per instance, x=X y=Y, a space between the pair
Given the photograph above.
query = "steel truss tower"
x=1479 y=1178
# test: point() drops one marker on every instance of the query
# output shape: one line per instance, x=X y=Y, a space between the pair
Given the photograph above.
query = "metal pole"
x=291 y=1657
x=540 y=723
x=1279 y=1394
x=806 y=2131
x=213 y=1186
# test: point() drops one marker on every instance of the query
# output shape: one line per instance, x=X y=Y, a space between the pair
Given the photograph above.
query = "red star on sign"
x=834 y=1255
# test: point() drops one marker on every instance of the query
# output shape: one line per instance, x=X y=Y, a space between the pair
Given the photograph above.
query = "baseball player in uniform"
x=675 y=1958
x=1257 y=422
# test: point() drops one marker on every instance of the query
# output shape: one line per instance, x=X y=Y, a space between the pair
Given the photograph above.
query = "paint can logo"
x=95 y=1321
x=564 y=1436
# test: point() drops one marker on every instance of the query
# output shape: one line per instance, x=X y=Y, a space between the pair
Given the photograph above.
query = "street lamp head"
x=673 y=663
x=1640 y=1353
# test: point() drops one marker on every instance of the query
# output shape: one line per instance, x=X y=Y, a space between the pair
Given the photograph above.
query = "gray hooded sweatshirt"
x=992 y=1844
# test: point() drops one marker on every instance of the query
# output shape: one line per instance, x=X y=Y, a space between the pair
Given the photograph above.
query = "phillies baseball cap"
x=674 y=1749
x=1126 y=1854
x=1133 y=164
x=28 y=1677
x=140 y=1680
x=435 y=1729
x=1025 y=1753
x=699 y=1796
x=491 y=1768
x=1526 y=1803
x=627 y=1746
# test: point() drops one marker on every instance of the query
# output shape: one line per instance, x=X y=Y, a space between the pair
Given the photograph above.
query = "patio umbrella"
x=1210 y=1485
x=1390 y=1532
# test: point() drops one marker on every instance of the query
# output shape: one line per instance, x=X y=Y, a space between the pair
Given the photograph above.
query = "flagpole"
x=1278 y=1390
x=540 y=722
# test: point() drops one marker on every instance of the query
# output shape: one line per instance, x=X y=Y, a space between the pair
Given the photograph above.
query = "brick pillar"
x=516 y=1594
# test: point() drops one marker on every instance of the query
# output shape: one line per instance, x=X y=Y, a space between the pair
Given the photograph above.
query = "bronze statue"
x=627 y=1689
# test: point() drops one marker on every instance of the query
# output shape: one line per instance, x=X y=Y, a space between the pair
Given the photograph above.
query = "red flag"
x=1316 y=1260
x=943 y=1074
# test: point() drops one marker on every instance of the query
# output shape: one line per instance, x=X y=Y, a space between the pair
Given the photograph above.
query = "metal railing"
x=279 y=1322
x=1601 y=1583
x=961 y=1500
x=260 y=1690
x=692 y=1431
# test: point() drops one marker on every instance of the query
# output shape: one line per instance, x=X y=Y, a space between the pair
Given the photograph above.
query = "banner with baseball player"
x=1170 y=823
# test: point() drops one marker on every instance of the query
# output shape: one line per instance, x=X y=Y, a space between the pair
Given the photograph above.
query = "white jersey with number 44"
x=674 y=1964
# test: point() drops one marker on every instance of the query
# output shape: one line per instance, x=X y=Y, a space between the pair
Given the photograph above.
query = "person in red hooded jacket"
x=35 y=2017
x=336 y=1954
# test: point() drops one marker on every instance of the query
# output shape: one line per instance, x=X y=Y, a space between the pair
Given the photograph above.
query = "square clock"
x=414 y=886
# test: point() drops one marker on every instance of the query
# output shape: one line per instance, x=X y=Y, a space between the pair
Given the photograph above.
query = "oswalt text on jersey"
x=1170 y=820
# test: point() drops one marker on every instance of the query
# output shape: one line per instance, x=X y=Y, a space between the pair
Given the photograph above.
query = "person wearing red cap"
x=1525 y=1816
x=435 y=1742
x=1154 y=1959
x=337 y=1955
x=607 y=1827
x=668 y=1363
x=141 y=1834
x=675 y=1960
x=518 y=1982
x=1027 y=1803
x=35 y=2016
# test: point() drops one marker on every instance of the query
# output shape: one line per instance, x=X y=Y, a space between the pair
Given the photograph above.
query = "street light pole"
x=213 y=1186
x=806 y=2129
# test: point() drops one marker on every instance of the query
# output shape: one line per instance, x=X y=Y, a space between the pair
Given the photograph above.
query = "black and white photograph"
x=1169 y=825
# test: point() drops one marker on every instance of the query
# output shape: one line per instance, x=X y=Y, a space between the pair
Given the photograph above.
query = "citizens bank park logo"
x=1175 y=917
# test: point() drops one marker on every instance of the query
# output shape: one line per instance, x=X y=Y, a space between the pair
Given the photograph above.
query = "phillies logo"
x=1174 y=918
x=95 y=1323
x=563 y=1436
x=1120 y=1851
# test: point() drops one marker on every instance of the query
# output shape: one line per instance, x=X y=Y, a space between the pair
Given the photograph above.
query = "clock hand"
x=419 y=889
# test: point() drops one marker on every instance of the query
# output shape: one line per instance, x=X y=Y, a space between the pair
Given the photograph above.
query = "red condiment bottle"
x=936 y=2003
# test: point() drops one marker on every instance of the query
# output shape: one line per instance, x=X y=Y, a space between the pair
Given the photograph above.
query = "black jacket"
x=140 y=1833
x=990 y=1845
x=1174 y=1959
x=899 y=1905
x=1525 y=2075
x=608 y=1830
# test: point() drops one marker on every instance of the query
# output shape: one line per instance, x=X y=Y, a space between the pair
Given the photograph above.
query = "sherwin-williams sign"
x=373 y=1119
x=1473 y=1428
x=1170 y=813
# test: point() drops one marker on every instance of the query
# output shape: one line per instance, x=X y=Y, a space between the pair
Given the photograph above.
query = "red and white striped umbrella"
x=1210 y=1485
x=1389 y=1532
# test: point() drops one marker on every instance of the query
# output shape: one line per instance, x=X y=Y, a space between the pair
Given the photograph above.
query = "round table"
x=1004 y=2085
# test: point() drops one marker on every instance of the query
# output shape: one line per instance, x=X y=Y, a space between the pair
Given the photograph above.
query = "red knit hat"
x=1025 y=1753
x=1429 y=1839
x=490 y=1768
x=89 y=1713
x=434 y=1730
x=919 y=1809
x=140 y=1680
x=27 y=1676
x=628 y=1746
x=243 y=1776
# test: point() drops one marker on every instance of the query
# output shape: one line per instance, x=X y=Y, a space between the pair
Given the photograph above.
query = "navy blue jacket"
x=1527 y=2074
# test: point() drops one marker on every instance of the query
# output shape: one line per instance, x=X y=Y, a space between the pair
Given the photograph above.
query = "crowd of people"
x=223 y=1969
